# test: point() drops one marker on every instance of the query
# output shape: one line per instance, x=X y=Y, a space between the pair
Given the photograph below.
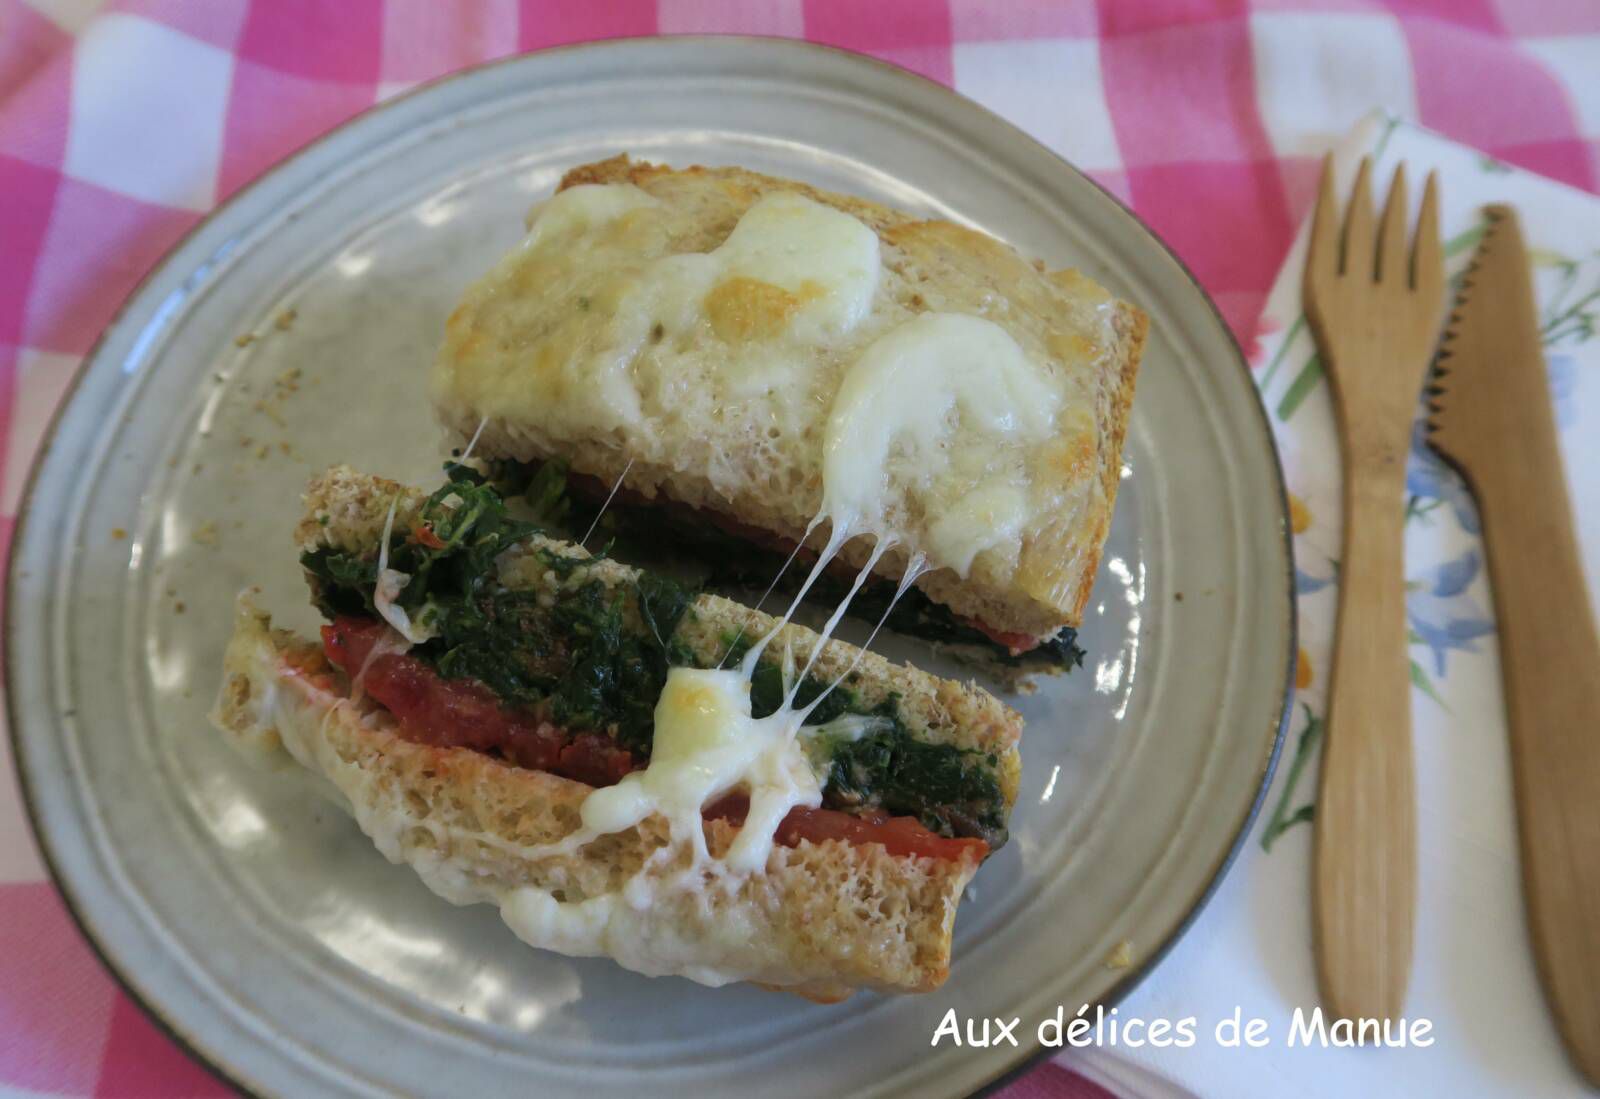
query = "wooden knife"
x=1492 y=419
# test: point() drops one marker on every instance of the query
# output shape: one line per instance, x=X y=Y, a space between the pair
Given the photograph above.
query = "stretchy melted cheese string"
x=390 y=584
x=833 y=620
x=734 y=644
x=584 y=541
x=471 y=444
x=914 y=568
x=707 y=744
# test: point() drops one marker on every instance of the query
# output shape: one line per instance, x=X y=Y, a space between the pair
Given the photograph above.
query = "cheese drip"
x=707 y=744
x=387 y=589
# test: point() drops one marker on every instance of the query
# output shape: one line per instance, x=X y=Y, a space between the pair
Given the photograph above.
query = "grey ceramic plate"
x=258 y=923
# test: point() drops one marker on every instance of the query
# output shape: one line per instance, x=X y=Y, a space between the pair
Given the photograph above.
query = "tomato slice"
x=902 y=836
x=463 y=713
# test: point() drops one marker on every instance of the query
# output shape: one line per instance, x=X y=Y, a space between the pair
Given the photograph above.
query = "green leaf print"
x=1283 y=348
x=1283 y=818
x=1299 y=389
x=1467 y=238
x=1418 y=508
x=1573 y=315
x=1391 y=123
x=1419 y=679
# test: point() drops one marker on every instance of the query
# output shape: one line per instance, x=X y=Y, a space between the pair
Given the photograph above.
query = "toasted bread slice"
x=714 y=405
x=820 y=919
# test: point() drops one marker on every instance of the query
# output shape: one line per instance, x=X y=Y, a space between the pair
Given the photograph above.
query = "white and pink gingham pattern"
x=123 y=122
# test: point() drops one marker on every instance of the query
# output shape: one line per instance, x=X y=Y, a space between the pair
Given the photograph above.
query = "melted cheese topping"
x=577 y=210
x=706 y=745
x=622 y=927
x=939 y=412
x=791 y=255
x=792 y=273
x=573 y=330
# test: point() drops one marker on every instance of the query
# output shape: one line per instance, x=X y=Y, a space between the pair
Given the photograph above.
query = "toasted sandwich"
x=761 y=364
x=624 y=767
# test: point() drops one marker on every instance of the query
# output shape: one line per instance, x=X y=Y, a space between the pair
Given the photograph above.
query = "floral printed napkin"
x=1472 y=974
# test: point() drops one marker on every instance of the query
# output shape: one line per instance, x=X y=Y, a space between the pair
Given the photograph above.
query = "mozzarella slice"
x=789 y=257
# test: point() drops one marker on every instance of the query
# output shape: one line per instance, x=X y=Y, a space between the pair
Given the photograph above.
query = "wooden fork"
x=1374 y=308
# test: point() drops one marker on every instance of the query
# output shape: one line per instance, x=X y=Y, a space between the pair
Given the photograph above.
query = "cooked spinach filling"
x=732 y=563
x=952 y=790
x=575 y=655
x=589 y=664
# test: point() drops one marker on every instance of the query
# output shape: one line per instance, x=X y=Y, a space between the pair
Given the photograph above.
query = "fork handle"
x=1364 y=891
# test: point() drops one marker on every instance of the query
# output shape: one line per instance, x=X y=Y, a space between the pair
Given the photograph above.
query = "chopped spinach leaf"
x=576 y=654
x=767 y=687
x=953 y=791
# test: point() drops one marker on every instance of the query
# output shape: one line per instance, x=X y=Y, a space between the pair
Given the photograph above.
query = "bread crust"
x=1047 y=585
x=822 y=919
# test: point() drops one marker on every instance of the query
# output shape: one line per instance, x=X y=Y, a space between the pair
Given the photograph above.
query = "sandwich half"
x=571 y=739
x=766 y=363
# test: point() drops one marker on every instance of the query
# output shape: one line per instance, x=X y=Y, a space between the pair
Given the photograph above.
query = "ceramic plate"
x=293 y=330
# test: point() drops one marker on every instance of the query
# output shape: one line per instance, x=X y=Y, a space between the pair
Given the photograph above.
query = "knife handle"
x=1365 y=874
x=1550 y=661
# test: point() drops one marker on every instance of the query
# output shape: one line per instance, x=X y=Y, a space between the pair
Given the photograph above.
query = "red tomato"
x=595 y=758
x=463 y=713
x=1015 y=643
x=901 y=836
x=424 y=535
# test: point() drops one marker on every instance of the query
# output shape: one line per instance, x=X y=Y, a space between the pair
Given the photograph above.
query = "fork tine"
x=1322 y=252
x=1392 y=232
x=1358 y=238
x=1427 y=261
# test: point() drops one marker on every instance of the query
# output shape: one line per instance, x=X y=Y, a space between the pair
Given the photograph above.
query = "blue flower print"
x=1563 y=371
x=1443 y=616
x=1428 y=479
x=1306 y=584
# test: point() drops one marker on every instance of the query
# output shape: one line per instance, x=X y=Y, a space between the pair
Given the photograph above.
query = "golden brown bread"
x=531 y=327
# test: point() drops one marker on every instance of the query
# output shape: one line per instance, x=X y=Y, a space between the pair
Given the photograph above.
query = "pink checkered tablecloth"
x=122 y=123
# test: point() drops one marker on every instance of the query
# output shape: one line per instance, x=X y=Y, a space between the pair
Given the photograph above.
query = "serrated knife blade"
x=1491 y=417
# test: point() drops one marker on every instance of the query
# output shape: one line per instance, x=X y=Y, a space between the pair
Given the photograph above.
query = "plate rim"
x=1030 y=1054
